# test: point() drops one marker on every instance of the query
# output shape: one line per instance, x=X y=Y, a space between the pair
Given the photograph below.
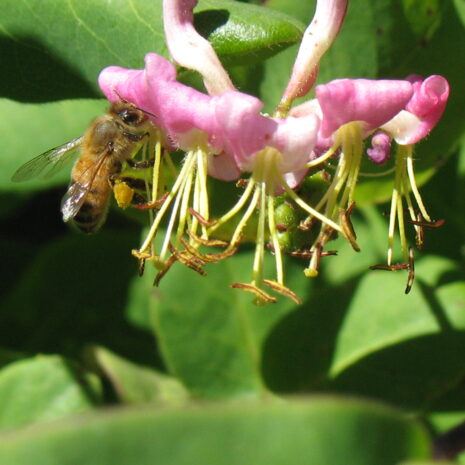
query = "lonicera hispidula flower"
x=225 y=135
x=352 y=110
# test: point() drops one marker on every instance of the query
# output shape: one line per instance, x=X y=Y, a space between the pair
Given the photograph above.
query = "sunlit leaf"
x=43 y=389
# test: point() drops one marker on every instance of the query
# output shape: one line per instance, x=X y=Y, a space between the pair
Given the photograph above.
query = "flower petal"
x=189 y=49
x=369 y=101
x=245 y=132
x=381 y=148
x=179 y=109
x=318 y=37
x=428 y=103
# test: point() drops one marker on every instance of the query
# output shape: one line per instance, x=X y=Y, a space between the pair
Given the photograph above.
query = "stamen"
x=321 y=159
x=262 y=296
x=411 y=271
x=348 y=228
x=308 y=254
x=260 y=239
x=174 y=212
x=283 y=290
x=201 y=219
x=275 y=241
x=307 y=207
x=190 y=261
x=392 y=225
x=234 y=210
x=248 y=213
x=167 y=265
x=409 y=158
x=187 y=166
x=400 y=219
x=208 y=242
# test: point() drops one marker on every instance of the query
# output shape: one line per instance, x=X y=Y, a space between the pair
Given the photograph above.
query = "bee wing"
x=48 y=163
x=77 y=191
x=74 y=199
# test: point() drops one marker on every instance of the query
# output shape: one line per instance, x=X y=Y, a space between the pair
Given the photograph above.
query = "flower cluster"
x=224 y=135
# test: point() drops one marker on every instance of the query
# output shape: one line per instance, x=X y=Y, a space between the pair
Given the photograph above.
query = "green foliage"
x=44 y=388
x=217 y=375
x=271 y=433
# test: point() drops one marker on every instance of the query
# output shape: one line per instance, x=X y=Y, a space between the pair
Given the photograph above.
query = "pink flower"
x=422 y=112
x=189 y=49
x=246 y=132
x=231 y=122
x=371 y=102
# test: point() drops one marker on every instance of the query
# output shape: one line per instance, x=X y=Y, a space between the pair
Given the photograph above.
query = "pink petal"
x=223 y=167
x=369 y=101
x=295 y=138
x=179 y=109
x=189 y=49
x=428 y=103
x=245 y=132
x=243 y=129
x=317 y=38
x=381 y=148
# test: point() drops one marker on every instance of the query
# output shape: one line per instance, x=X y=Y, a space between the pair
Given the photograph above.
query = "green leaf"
x=211 y=335
x=249 y=34
x=39 y=127
x=71 y=43
x=42 y=389
x=322 y=430
x=424 y=16
x=137 y=384
x=413 y=343
x=428 y=462
x=70 y=295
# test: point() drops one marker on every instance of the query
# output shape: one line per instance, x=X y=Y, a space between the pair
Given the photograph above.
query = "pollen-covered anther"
x=208 y=257
x=242 y=183
x=191 y=261
x=347 y=226
x=410 y=266
x=201 y=219
x=262 y=297
x=308 y=254
x=283 y=290
x=420 y=225
x=317 y=252
x=141 y=258
x=207 y=242
x=168 y=264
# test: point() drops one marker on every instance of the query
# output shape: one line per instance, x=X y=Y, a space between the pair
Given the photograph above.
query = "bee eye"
x=128 y=116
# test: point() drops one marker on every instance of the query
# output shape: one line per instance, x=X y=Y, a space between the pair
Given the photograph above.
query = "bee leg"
x=135 y=137
x=151 y=205
x=139 y=165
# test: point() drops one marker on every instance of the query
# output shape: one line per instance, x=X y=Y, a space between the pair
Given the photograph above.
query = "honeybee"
x=109 y=141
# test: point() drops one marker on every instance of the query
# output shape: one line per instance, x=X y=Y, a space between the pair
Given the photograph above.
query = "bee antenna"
x=119 y=96
x=135 y=106
x=147 y=112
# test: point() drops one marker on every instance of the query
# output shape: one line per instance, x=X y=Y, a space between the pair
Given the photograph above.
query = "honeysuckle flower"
x=225 y=135
x=351 y=110
x=422 y=112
